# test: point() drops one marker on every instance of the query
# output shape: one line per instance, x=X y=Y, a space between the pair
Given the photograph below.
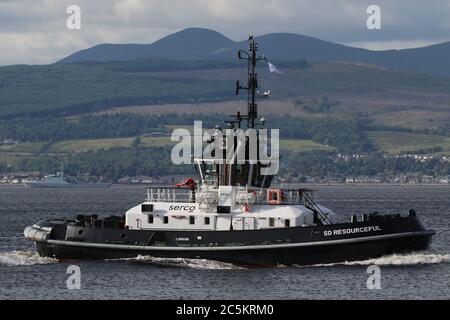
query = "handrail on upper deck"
x=170 y=194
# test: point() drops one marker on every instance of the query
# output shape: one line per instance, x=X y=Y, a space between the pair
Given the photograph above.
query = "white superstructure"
x=223 y=208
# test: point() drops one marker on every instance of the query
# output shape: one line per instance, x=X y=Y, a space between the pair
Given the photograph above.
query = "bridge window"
x=223 y=209
x=150 y=218
x=191 y=220
x=147 y=208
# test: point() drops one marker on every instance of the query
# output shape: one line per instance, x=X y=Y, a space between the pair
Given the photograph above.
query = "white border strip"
x=243 y=247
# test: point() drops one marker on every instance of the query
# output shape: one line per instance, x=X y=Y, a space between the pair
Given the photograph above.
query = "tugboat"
x=232 y=213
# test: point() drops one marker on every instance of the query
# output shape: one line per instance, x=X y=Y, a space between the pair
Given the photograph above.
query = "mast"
x=252 y=82
x=248 y=173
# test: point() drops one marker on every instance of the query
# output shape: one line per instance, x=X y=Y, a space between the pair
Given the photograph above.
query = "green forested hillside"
x=344 y=135
x=86 y=113
x=82 y=88
x=74 y=89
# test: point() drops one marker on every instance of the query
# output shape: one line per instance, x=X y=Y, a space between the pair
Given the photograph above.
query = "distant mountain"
x=199 y=44
x=189 y=44
x=290 y=46
x=432 y=60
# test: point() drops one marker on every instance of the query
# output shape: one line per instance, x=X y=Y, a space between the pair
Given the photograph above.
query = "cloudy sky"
x=34 y=31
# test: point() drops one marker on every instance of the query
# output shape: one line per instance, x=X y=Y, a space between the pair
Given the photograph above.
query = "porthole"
x=123 y=235
x=80 y=232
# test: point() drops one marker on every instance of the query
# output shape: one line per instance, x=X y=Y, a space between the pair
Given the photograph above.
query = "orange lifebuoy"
x=274 y=196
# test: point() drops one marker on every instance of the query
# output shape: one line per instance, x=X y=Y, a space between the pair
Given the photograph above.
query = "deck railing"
x=170 y=194
x=187 y=195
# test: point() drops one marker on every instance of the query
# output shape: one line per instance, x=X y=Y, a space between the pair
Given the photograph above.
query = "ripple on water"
x=397 y=260
x=202 y=264
x=23 y=258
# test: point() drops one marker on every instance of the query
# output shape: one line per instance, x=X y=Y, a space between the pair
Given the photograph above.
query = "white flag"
x=273 y=68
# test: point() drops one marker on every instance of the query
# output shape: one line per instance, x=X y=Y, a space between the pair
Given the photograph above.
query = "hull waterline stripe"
x=233 y=248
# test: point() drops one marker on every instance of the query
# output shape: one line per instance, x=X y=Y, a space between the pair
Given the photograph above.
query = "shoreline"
x=324 y=184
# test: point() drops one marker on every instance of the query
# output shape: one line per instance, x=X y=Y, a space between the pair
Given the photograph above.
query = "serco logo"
x=182 y=208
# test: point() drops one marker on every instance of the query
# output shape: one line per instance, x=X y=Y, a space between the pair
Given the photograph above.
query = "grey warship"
x=61 y=180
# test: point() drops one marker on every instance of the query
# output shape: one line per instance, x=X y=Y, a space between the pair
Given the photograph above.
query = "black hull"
x=310 y=255
x=286 y=246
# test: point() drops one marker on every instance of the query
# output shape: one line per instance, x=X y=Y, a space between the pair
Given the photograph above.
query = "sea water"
x=25 y=275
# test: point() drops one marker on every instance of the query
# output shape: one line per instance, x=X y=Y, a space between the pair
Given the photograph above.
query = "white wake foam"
x=202 y=264
x=23 y=258
x=398 y=260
